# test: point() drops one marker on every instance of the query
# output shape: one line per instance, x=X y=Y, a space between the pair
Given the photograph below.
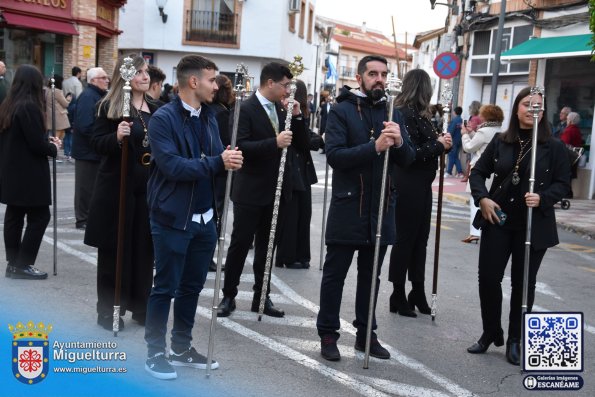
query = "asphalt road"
x=280 y=357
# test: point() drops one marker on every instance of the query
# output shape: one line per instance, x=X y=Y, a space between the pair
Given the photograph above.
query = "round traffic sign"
x=446 y=65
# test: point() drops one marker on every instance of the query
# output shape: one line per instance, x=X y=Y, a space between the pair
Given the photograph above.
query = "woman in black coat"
x=414 y=196
x=508 y=157
x=102 y=225
x=25 y=185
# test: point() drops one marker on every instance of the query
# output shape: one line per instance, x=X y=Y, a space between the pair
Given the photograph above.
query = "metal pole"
x=54 y=178
x=536 y=108
x=498 y=50
x=393 y=87
x=446 y=98
x=240 y=88
x=296 y=67
x=322 y=245
x=127 y=72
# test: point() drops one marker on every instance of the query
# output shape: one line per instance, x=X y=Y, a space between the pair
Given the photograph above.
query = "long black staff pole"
x=127 y=72
x=240 y=88
x=446 y=98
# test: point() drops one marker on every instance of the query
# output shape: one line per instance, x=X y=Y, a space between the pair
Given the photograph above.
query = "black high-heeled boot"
x=417 y=297
x=513 y=350
x=398 y=303
x=481 y=346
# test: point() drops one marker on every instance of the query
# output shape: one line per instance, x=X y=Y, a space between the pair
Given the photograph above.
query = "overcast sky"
x=411 y=16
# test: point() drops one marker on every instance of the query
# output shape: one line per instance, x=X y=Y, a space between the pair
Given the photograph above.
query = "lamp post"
x=498 y=49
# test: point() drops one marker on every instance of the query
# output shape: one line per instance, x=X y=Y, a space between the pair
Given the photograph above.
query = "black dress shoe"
x=269 y=308
x=328 y=348
x=513 y=351
x=9 y=271
x=305 y=264
x=26 y=273
x=376 y=349
x=481 y=346
x=226 y=306
x=107 y=322
x=295 y=265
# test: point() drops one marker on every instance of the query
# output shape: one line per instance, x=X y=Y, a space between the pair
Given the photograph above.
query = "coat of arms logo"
x=30 y=351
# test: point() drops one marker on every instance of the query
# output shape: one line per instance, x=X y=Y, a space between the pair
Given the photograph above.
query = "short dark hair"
x=458 y=110
x=156 y=74
x=362 y=65
x=76 y=70
x=192 y=64
x=274 y=71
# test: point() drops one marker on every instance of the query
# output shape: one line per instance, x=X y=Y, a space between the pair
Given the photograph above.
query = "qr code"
x=553 y=342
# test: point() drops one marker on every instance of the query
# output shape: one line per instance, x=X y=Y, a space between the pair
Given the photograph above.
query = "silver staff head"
x=446 y=96
x=241 y=79
x=127 y=72
x=536 y=107
x=394 y=85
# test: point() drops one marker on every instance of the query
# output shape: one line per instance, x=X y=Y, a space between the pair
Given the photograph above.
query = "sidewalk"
x=579 y=218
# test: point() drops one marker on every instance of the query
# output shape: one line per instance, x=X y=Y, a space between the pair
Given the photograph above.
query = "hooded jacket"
x=353 y=126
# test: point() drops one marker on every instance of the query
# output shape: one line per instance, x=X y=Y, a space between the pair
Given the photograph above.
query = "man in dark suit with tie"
x=261 y=138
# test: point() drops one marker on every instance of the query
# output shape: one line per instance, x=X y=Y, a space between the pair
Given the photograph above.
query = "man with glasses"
x=87 y=161
x=261 y=138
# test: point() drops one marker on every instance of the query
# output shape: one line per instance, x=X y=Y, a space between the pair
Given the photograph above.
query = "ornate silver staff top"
x=296 y=68
x=127 y=72
x=537 y=107
x=394 y=85
x=445 y=98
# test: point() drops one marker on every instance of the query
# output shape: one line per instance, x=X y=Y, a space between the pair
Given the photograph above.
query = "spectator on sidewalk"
x=454 y=129
x=25 y=185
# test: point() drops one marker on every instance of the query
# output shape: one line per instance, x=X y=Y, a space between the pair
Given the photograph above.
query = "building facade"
x=228 y=32
x=56 y=35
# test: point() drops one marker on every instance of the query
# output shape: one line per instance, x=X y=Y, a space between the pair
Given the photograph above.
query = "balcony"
x=212 y=28
x=347 y=72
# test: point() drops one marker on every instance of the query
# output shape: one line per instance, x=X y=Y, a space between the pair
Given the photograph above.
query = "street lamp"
x=434 y=4
x=161 y=5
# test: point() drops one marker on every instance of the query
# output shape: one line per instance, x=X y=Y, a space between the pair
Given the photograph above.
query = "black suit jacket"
x=323 y=117
x=255 y=182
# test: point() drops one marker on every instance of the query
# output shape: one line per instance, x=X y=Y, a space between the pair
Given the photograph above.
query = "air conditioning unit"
x=295 y=6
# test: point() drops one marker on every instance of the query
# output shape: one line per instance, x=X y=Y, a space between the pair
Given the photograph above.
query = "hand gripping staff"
x=127 y=72
x=446 y=97
x=240 y=79
x=535 y=109
x=54 y=178
x=393 y=87
x=296 y=67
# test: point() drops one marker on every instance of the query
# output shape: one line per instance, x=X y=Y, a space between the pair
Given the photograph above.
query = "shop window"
x=481 y=43
x=310 y=23
x=484 y=49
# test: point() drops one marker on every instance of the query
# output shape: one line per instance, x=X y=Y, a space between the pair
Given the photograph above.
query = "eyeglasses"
x=101 y=78
x=284 y=85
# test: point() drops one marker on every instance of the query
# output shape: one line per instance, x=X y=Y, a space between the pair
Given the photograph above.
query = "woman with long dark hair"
x=508 y=158
x=414 y=197
x=25 y=185
x=102 y=225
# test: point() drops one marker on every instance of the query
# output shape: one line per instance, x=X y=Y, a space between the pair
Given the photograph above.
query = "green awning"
x=550 y=47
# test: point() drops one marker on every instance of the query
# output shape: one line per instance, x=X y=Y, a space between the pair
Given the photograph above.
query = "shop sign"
x=43 y=8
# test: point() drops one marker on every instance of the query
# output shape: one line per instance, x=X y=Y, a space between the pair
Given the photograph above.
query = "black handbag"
x=478 y=220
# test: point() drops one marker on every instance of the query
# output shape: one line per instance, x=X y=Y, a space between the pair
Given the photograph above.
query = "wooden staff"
x=446 y=97
x=127 y=72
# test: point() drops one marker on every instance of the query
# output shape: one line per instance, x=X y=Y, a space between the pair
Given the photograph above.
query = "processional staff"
x=296 y=68
x=127 y=72
x=446 y=97
x=54 y=177
x=393 y=88
x=240 y=83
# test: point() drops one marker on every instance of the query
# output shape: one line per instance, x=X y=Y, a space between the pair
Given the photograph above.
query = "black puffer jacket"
x=352 y=127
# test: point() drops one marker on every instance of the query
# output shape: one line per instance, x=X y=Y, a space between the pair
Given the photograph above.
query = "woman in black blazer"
x=508 y=157
x=102 y=226
x=25 y=185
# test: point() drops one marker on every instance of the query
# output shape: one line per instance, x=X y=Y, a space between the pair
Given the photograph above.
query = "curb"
x=456 y=198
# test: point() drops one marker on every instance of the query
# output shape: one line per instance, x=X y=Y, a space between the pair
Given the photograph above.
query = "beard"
x=375 y=94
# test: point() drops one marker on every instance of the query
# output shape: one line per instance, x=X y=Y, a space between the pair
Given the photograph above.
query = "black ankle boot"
x=417 y=297
x=513 y=350
x=481 y=346
x=398 y=303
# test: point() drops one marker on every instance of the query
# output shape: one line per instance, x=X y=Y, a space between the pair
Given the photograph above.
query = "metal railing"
x=212 y=27
x=347 y=71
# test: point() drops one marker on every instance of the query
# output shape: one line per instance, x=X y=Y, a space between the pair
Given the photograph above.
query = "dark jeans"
x=497 y=246
x=336 y=265
x=22 y=249
x=182 y=259
x=453 y=158
x=67 y=141
x=85 y=173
